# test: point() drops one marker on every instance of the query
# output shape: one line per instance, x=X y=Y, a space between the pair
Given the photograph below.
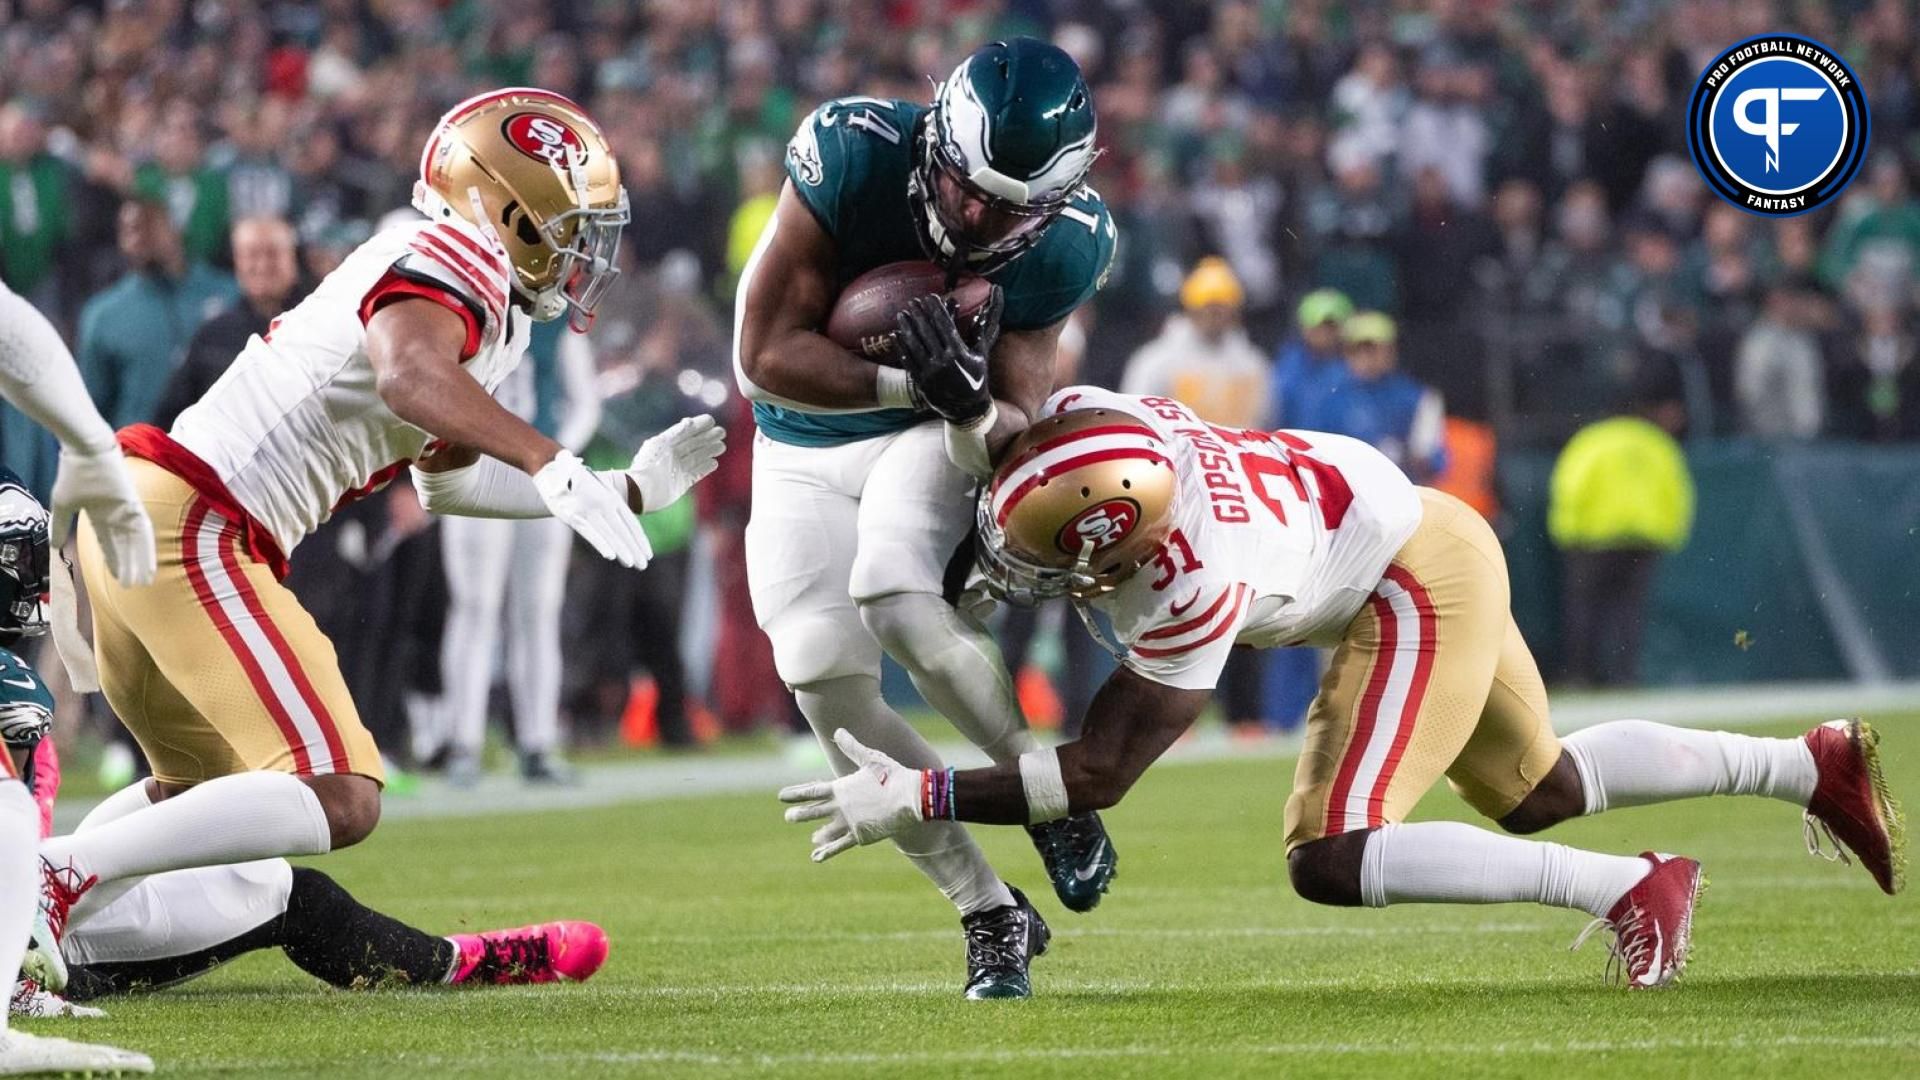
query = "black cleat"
x=1001 y=942
x=1079 y=858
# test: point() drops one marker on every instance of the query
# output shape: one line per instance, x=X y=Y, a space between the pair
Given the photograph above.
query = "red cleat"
x=548 y=952
x=1852 y=805
x=1653 y=923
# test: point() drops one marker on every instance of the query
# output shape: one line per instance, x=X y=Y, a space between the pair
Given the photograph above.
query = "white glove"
x=99 y=485
x=878 y=799
x=591 y=506
x=676 y=459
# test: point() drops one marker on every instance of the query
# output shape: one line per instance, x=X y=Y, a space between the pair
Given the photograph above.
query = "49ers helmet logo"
x=1106 y=524
x=543 y=138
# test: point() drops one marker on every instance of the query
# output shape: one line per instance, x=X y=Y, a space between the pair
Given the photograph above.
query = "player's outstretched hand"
x=676 y=459
x=595 y=506
x=99 y=486
x=949 y=371
x=877 y=799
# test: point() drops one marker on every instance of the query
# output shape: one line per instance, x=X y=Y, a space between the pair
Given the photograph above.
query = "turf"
x=734 y=955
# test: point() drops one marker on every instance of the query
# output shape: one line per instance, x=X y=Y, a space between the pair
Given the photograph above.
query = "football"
x=862 y=319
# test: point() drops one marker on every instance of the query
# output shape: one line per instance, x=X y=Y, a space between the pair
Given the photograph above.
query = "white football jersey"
x=295 y=427
x=1278 y=539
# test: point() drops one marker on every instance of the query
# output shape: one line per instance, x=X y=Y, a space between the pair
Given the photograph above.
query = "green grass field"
x=732 y=954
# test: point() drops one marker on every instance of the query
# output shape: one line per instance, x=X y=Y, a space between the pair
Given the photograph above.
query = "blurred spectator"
x=509 y=580
x=267 y=274
x=1203 y=357
x=1877 y=234
x=1446 y=128
x=643 y=398
x=1307 y=365
x=1516 y=272
x=1621 y=496
x=1350 y=226
x=1877 y=390
x=1379 y=404
x=194 y=194
x=258 y=184
x=34 y=206
x=1779 y=376
x=132 y=335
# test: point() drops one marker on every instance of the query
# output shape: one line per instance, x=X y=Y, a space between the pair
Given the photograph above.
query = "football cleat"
x=22 y=1054
x=1079 y=858
x=1001 y=944
x=544 y=767
x=61 y=887
x=1652 y=924
x=1852 y=804
x=34 y=1001
x=564 y=951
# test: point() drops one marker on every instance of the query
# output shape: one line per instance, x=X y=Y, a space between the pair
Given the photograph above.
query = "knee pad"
x=812 y=648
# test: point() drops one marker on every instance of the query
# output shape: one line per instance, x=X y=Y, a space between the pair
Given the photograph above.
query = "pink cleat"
x=567 y=950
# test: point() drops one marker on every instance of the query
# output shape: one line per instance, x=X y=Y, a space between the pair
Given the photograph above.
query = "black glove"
x=949 y=372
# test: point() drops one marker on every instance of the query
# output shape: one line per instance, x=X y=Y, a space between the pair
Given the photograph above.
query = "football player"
x=863 y=474
x=179 y=925
x=232 y=691
x=38 y=377
x=1193 y=539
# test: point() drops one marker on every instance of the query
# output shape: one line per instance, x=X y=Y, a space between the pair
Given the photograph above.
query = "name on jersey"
x=1225 y=495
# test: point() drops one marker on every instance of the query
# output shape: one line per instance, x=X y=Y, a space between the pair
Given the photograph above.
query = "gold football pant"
x=1432 y=679
x=215 y=667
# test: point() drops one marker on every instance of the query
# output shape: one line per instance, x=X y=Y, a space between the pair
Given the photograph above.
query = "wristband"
x=1046 y=789
x=936 y=794
x=893 y=388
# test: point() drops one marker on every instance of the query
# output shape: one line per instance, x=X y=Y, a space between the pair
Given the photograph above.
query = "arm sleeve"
x=488 y=488
x=39 y=377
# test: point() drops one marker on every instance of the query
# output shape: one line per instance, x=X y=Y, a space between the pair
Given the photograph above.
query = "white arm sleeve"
x=38 y=376
x=488 y=488
x=581 y=416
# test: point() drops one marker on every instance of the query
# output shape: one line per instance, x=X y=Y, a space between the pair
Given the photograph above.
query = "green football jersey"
x=26 y=705
x=850 y=163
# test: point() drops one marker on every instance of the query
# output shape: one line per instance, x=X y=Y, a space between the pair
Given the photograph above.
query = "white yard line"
x=1402 y=1048
x=690 y=777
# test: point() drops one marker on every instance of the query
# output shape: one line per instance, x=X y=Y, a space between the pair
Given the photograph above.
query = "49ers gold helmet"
x=532 y=168
x=1080 y=502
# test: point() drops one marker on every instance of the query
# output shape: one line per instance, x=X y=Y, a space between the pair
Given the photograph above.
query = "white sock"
x=943 y=850
x=1448 y=862
x=238 y=818
x=117 y=805
x=1635 y=762
x=19 y=876
x=956 y=667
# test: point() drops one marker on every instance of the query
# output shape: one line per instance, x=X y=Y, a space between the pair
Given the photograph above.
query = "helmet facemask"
x=25 y=563
x=962 y=222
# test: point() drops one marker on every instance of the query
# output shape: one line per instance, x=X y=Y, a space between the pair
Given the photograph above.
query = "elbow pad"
x=488 y=488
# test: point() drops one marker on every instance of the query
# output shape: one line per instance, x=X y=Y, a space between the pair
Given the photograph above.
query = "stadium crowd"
x=1422 y=223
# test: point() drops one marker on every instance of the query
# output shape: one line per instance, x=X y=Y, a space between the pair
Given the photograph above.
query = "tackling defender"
x=863 y=474
x=230 y=688
x=1194 y=538
x=38 y=377
x=176 y=926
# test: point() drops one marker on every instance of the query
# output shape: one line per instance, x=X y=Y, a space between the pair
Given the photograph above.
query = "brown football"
x=862 y=321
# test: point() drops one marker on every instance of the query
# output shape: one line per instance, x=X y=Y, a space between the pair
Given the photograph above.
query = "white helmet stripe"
x=1029 y=473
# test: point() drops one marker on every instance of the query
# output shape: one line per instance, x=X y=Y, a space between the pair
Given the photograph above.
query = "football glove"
x=99 y=485
x=591 y=506
x=878 y=799
x=675 y=460
x=948 y=370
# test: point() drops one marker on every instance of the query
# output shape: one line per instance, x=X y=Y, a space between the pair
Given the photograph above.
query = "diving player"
x=38 y=377
x=863 y=474
x=232 y=691
x=1194 y=539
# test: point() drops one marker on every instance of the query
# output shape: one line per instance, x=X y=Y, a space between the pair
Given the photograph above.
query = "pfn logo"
x=1778 y=125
